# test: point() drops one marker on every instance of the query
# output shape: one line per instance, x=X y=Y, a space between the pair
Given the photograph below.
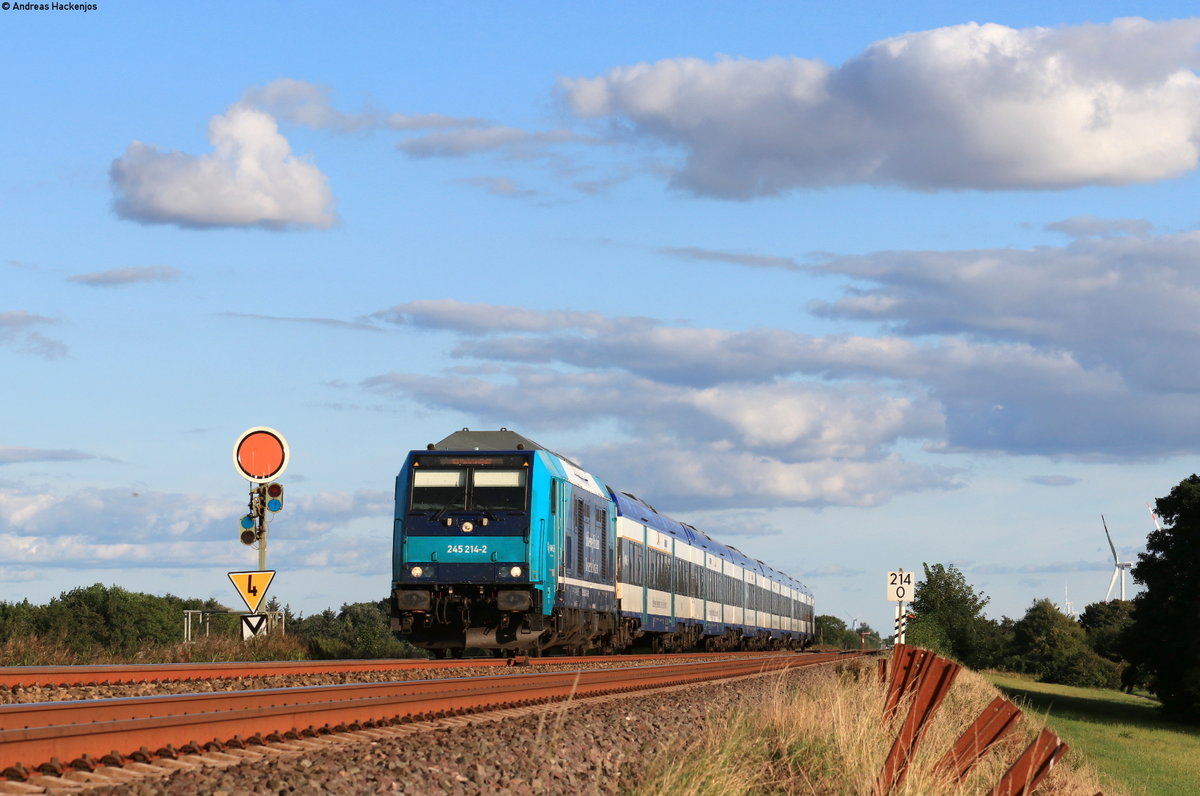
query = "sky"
x=854 y=287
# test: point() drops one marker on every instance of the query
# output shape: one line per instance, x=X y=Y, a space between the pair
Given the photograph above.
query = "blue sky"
x=852 y=287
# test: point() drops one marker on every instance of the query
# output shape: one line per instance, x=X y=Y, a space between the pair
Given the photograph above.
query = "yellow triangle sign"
x=252 y=586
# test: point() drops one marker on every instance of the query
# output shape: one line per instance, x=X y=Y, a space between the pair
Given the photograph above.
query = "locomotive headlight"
x=416 y=572
x=468 y=526
x=413 y=600
x=515 y=572
x=513 y=600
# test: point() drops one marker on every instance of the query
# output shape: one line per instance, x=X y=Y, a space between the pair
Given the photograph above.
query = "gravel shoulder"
x=598 y=746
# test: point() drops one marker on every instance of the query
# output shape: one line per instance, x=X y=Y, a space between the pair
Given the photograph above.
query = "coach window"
x=664 y=572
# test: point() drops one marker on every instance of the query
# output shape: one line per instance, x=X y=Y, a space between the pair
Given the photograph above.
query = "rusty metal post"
x=996 y=721
x=1031 y=767
x=908 y=663
x=934 y=681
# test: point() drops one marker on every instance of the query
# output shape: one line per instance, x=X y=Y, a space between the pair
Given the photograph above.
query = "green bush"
x=1045 y=640
x=927 y=633
x=359 y=630
x=1086 y=669
x=109 y=624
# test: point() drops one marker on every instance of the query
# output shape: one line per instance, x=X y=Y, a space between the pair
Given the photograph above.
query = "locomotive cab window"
x=433 y=490
x=499 y=490
x=481 y=485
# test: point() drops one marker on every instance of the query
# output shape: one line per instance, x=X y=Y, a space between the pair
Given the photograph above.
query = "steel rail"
x=34 y=736
x=108 y=674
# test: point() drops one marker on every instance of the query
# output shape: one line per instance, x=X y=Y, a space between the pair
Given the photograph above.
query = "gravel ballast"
x=591 y=746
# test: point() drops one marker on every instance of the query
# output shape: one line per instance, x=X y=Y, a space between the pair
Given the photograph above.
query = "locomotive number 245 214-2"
x=466 y=548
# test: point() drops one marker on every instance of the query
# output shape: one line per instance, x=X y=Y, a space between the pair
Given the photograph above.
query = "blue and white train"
x=501 y=544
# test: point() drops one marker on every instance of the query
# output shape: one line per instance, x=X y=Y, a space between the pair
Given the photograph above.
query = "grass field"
x=1122 y=736
x=822 y=733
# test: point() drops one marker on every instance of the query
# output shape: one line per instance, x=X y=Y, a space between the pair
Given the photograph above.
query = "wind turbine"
x=1153 y=516
x=1069 y=609
x=1119 y=566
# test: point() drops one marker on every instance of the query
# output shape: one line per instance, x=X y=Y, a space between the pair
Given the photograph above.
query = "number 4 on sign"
x=252 y=586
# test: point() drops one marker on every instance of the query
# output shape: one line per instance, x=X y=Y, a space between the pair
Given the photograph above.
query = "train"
x=500 y=544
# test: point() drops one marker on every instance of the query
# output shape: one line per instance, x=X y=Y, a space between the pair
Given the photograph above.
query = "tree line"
x=100 y=623
x=1151 y=642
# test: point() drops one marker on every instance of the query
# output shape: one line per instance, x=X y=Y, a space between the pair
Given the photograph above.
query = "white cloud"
x=498 y=186
x=1090 y=226
x=250 y=179
x=689 y=473
x=1082 y=351
x=112 y=517
x=79 y=551
x=736 y=258
x=456 y=143
x=783 y=443
x=16 y=330
x=127 y=276
x=13 y=455
x=970 y=106
x=1126 y=305
x=1052 y=480
x=487 y=318
x=300 y=102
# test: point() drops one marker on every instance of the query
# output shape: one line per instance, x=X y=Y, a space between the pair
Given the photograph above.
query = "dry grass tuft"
x=822 y=733
x=31 y=651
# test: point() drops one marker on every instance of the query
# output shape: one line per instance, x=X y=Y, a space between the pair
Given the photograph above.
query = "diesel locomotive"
x=501 y=544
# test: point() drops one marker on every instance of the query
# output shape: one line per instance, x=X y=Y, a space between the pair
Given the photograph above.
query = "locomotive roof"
x=502 y=440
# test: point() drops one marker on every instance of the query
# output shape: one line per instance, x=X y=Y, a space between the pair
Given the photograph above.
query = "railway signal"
x=260 y=455
x=248 y=536
x=273 y=492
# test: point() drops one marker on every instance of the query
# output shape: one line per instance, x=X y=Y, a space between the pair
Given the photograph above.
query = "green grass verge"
x=1122 y=736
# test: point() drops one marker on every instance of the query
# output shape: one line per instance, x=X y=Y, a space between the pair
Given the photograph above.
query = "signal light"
x=273 y=492
x=248 y=537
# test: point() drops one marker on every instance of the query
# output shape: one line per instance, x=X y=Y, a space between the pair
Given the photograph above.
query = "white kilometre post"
x=899 y=589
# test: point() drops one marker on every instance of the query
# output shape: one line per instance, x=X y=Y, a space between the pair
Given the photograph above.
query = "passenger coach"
x=504 y=545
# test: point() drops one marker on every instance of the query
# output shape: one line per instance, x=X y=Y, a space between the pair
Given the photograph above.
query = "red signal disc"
x=260 y=454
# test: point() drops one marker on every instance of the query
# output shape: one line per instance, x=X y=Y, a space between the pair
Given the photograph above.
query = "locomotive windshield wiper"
x=438 y=514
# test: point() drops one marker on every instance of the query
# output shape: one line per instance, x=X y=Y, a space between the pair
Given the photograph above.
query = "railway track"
x=31 y=676
x=88 y=737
